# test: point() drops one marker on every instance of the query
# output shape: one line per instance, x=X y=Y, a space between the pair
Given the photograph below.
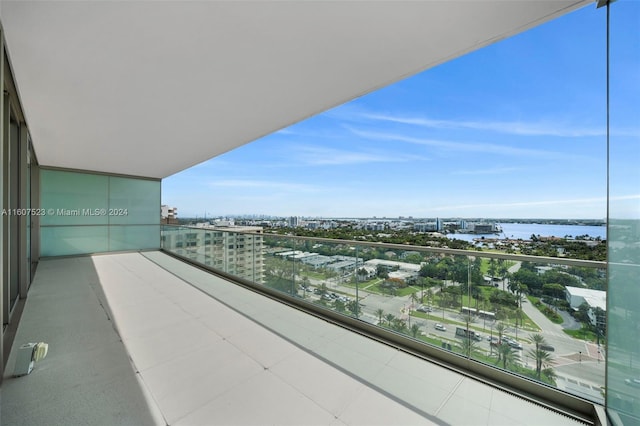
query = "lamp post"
x=491 y=341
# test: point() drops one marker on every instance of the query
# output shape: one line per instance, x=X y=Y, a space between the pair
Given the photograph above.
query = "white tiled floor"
x=241 y=358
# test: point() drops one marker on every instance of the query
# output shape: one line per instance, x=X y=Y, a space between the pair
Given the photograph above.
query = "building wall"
x=623 y=234
x=92 y=213
x=239 y=252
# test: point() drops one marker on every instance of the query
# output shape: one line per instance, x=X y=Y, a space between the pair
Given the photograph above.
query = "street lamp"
x=491 y=341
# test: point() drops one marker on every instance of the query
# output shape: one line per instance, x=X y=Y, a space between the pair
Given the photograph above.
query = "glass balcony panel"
x=509 y=312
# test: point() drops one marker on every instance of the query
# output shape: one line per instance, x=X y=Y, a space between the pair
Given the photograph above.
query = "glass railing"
x=539 y=318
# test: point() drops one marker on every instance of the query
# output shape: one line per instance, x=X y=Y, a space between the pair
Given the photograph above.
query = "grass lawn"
x=482 y=356
x=583 y=335
x=436 y=316
x=314 y=275
x=484 y=267
x=364 y=285
x=375 y=288
x=526 y=323
x=548 y=312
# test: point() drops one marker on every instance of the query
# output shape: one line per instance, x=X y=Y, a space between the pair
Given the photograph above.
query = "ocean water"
x=525 y=230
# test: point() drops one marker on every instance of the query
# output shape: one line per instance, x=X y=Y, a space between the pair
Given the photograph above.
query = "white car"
x=514 y=344
x=440 y=327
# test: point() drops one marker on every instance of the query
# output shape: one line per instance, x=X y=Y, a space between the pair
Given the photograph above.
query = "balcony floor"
x=133 y=339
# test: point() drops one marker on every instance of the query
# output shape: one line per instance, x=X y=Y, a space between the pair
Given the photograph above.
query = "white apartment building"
x=237 y=250
x=167 y=212
x=576 y=296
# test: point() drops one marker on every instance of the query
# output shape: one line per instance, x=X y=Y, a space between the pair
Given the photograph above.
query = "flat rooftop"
x=143 y=338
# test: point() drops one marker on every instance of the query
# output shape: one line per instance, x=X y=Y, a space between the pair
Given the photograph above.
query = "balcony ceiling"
x=150 y=88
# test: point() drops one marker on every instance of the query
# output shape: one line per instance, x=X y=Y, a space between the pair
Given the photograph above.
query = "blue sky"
x=516 y=129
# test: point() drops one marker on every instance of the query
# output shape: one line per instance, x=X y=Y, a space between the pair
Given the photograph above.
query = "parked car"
x=440 y=327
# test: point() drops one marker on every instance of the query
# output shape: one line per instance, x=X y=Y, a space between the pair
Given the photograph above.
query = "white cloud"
x=510 y=127
x=459 y=146
x=320 y=156
x=262 y=184
x=573 y=202
x=494 y=171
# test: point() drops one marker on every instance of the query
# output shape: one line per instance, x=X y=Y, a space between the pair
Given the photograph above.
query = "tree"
x=500 y=327
x=519 y=315
x=415 y=328
x=380 y=313
x=503 y=271
x=354 y=307
x=529 y=278
x=414 y=298
x=381 y=272
x=398 y=324
x=550 y=374
x=541 y=356
x=468 y=347
x=430 y=296
x=582 y=314
x=362 y=274
x=429 y=270
x=507 y=355
x=493 y=267
x=389 y=318
x=554 y=290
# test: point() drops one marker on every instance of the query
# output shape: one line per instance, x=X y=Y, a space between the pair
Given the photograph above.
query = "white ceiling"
x=150 y=88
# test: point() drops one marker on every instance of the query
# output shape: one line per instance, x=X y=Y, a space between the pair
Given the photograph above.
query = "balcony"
x=158 y=341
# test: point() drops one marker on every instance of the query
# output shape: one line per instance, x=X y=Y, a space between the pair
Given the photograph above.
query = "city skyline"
x=517 y=130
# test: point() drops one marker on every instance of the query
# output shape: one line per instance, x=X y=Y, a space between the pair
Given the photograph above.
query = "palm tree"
x=550 y=374
x=500 y=327
x=430 y=296
x=543 y=360
x=415 y=328
x=537 y=339
x=414 y=298
x=398 y=324
x=493 y=268
x=542 y=357
x=519 y=315
x=507 y=355
x=503 y=271
x=380 y=313
x=389 y=318
x=468 y=347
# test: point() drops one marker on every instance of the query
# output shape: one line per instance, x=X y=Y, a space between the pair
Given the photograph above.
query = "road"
x=579 y=365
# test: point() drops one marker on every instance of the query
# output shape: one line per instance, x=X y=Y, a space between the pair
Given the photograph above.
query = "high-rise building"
x=236 y=250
